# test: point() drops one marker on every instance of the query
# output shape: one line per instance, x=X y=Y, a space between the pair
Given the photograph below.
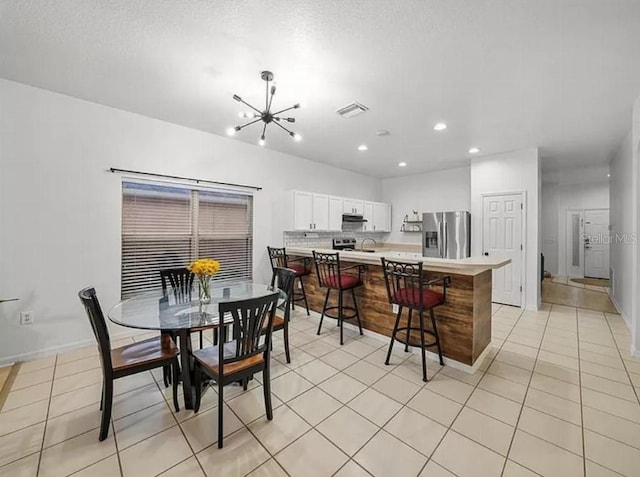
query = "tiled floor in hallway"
x=555 y=397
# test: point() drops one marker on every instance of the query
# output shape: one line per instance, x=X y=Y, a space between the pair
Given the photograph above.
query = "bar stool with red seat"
x=331 y=277
x=407 y=288
x=280 y=259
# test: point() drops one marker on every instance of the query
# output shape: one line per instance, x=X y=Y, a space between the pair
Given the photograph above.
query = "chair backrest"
x=404 y=281
x=91 y=304
x=180 y=279
x=249 y=319
x=278 y=257
x=328 y=268
x=283 y=279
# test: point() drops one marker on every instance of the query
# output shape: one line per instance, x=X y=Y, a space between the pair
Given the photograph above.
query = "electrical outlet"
x=395 y=308
x=26 y=317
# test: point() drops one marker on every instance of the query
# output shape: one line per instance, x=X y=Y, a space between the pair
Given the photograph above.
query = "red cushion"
x=346 y=281
x=299 y=269
x=411 y=297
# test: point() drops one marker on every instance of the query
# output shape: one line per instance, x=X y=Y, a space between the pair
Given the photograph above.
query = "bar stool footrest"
x=344 y=308
x=417 y=344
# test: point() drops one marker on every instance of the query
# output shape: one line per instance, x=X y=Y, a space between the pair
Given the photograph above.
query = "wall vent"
x=352 y=109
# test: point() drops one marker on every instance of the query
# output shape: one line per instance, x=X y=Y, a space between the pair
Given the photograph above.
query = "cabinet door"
x=368 y=214
x=320 y=212
x=348 y=206
x=302 y=210
x=387 y=227
x=359 y=207
x=335 y=213
x=379 y=217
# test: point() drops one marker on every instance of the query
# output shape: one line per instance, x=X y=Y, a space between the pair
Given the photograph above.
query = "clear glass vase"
x=204 y=291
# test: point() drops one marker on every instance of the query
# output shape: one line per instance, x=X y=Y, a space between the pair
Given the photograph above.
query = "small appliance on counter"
x=446 y=234
x=344 y=244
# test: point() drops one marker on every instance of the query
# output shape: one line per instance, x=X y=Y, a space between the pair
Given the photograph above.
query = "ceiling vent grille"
x=352 y=109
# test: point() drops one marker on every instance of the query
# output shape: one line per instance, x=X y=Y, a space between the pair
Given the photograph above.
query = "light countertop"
x=463 y=266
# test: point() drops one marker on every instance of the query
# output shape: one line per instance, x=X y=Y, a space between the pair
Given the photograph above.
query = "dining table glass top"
x=155 y=310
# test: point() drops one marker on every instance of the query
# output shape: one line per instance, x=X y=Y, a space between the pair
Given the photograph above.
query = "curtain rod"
x=197 y=181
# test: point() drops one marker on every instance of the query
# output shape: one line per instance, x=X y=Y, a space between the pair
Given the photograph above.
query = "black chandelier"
x=265 y=116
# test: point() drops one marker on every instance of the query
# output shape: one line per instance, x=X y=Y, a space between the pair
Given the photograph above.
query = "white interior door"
x=575 y=244
x=596 y=243
x=502 y=238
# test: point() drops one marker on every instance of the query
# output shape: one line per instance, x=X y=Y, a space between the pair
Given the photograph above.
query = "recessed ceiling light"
x=608 y=175
x=362 y=147
x=402 y=164
x=474 y=150
x=440 y=127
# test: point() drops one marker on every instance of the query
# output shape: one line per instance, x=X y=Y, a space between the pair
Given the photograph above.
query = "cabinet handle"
x=310 y=226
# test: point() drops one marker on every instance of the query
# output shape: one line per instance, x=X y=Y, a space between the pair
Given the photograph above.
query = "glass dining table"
x=175 y=314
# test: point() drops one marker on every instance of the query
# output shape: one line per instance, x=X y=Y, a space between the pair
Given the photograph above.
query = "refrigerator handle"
x=441 y=240
x=446 y=240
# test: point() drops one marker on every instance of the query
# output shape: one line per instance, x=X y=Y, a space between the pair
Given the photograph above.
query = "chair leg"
x=406 y=345
x=165 y=376
x=197 y=382
x=220 y=414
x=102 y=396
x=201 y=346
x=435 y=332
x=340 y=319
x=324 y=307
x=424 y=353
x=266 y=387
x=176 y=369
x=245 y=384
x=355 y=305
x=106 y=408
x=286 y=342
x=304 y=295
x=393 y=335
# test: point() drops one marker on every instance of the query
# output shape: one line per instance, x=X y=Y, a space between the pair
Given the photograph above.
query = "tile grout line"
x=584 y=453
x=46 y=421
x=526 y=392
x=635 y=391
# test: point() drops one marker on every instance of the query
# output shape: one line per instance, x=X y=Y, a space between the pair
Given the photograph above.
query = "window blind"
x=168 y=227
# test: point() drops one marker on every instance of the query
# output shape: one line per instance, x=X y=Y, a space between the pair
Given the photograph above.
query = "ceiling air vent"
x=352 y=109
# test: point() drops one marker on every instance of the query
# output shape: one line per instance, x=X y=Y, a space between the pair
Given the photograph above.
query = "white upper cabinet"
x=335 y=213
x=322 y=212
x=302 y=210
x=353 y=206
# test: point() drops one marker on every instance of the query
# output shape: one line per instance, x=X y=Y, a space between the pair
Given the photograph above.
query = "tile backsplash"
x=323 y=239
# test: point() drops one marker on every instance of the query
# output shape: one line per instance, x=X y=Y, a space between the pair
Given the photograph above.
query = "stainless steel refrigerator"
x=446 y=234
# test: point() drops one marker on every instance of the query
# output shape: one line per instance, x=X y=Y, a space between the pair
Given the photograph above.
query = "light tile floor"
x=557 y=396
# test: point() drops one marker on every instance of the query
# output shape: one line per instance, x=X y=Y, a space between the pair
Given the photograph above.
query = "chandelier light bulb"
x=261 y=141
x=297 y=137
x=231 y=131
x=474 y=150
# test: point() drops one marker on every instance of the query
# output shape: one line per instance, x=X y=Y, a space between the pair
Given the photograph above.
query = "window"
x=169 y=226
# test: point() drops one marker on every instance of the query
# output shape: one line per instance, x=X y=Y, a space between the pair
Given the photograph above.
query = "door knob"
x=486 y=254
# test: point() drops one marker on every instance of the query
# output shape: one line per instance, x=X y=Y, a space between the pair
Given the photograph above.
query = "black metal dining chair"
x=127 y=360
x=408 y=288
x=283 y=279
x=245 y=355
x=301 y=266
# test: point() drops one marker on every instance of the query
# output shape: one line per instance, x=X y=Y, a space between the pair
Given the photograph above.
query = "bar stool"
x=330 y=276
x=407 y=289
x=280 y=259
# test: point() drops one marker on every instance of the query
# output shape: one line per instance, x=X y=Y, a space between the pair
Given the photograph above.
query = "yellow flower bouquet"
x=204 y=269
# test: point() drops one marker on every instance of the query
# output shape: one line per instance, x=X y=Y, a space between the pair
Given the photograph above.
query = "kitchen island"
x=464 y=321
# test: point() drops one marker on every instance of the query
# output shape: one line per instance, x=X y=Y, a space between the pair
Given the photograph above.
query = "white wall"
x=557 y=198
x=516 y=171
x=431 y=192
x=621 y=219
x=60 y=211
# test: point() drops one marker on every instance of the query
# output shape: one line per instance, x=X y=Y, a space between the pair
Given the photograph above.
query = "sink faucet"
x=364 y=240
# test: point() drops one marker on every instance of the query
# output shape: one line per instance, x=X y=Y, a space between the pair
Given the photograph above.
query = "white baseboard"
x=626 y=319
x=43 y=353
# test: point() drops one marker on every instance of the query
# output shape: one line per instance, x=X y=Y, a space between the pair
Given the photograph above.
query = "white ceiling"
x=503 y=74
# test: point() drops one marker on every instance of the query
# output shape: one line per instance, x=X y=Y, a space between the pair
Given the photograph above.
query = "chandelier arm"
x=254 y=108
x=283 y=110
x=281 y=126
x=264 y=130
x=250 y=123
x=266 y=98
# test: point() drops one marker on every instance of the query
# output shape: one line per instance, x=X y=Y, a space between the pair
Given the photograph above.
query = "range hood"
x=353 y=218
